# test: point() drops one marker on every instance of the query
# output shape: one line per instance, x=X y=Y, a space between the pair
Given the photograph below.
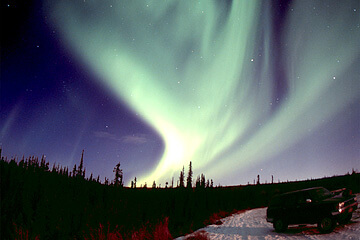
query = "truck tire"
x=326 y=225
x=280 y=225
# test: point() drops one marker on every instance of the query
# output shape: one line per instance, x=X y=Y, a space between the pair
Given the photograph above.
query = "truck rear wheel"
x=326 y=225
x=280 y=225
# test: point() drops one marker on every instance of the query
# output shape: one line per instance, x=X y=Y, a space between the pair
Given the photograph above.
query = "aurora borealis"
x=231 y=86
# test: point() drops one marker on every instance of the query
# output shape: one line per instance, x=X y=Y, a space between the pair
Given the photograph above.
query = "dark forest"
x=38 y=202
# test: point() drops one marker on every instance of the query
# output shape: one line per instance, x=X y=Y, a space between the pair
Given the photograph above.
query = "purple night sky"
x=295 y=116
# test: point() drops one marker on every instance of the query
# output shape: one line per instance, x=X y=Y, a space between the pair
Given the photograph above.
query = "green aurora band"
x=193 y=71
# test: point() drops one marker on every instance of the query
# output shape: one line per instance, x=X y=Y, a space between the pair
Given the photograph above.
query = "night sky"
x=239 y=88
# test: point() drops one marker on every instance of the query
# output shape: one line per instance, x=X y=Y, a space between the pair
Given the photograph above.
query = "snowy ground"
x=252 y=225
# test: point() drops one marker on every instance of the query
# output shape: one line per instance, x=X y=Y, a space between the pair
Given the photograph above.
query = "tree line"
x=200 y=182
x=118 y=180
x=61 y=204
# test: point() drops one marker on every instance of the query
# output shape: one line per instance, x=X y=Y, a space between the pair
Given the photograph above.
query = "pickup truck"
x=311 y=206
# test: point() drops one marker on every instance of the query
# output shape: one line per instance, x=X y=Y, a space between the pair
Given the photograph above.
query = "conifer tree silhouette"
x=198 y=182
x=74 y=171
x=118 y=180
x=189 y=177
x=43 y=164
x=202 y=181
x=80 y=172
x=182 y=178
x=53 y=168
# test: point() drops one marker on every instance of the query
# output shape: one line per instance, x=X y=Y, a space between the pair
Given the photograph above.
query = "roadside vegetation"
x=39 y=202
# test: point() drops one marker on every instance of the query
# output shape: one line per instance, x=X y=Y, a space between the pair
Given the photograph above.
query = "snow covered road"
x=252 y=225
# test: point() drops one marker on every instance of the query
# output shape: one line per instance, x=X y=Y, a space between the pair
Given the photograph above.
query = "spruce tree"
x=182 y=178
x=202 y=181
x=118 y=180
x=73 y=171
x=80 y=171
x=189 y=177
x=198 y=182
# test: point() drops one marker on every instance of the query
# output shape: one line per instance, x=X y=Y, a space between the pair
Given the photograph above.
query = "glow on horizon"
x=193 y=72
